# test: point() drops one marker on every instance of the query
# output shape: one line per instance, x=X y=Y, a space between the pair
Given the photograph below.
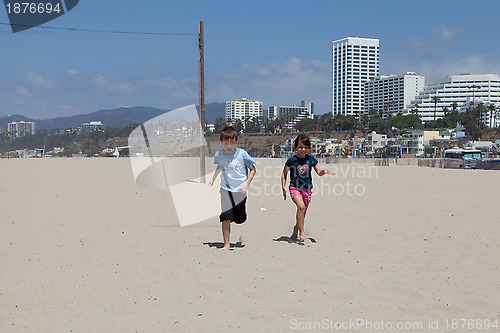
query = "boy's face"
x=229 y=145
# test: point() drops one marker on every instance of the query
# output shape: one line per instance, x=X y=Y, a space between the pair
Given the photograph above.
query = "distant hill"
x=214 y=110
x=117 y=117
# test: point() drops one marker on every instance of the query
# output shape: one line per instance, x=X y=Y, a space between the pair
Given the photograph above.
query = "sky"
x=274 y=51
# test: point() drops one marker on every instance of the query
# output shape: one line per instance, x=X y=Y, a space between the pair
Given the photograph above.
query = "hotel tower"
x=355 y=61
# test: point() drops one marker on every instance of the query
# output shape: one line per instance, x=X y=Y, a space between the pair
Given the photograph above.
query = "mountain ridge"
x=117 y=117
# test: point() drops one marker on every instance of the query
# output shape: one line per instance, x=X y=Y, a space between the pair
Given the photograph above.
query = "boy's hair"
x=302 y=138
x=228 y=133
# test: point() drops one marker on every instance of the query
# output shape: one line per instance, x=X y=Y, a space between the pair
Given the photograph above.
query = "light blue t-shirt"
x=234 y=168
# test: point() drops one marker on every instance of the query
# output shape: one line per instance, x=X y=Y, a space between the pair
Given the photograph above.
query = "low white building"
x=461 y=89
x=242 y=109
x=293 y=112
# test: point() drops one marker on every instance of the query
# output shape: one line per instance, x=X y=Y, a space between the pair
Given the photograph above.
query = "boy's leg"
x=301 y=214
x=226 y=231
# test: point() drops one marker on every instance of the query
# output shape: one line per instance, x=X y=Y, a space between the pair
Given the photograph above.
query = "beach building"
x=354 y=62
x=393 y=94
x=18 y=129
x=374 y=141
x=414 y=141
x=242 y=109
x=293 y=112
x=462 y=89
x=92 y=126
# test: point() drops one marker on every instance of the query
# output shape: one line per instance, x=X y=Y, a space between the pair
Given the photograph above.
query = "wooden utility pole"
x=201 y=63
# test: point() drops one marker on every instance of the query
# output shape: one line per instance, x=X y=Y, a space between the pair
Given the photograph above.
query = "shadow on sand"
x=290 y=240
x=220 y=245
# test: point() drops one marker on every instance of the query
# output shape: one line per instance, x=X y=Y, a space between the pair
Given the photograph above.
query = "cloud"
x=435 y=39
x=447 y=33
x=474 y=64
x=39 y=80
x=21 y=91
x=278 y=84
x=100 y=81
x=163 y=83
x=72 y=72
x=117 y=86
x=437 y=69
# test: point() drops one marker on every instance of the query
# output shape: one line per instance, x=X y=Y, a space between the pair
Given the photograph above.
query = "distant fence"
x=376 y=161
x=435 y=163
x=424 y=162
x=340 y=160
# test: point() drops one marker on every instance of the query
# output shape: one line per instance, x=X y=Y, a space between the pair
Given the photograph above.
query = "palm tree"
x=491 y=108
x=454 y=107
x=435 y=99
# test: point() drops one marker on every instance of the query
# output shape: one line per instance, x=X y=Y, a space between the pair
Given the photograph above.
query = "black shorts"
x=233 y=206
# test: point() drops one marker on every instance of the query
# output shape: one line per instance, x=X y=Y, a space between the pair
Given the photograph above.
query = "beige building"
x=18 y=129
x=375 y=140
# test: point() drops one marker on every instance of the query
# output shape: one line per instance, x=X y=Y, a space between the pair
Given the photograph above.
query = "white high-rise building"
x=393 y=94
x=243 y=109
x=20 y=128
x=354 y=62
x=462 y=89
x=295 y=113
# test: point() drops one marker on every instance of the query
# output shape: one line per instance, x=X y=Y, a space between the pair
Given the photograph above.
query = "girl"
x=301 y=185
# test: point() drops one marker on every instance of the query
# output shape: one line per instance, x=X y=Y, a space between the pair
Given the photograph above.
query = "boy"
x=234 y=165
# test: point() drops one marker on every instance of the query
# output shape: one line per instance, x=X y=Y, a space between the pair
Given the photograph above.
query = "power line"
x=103 y=31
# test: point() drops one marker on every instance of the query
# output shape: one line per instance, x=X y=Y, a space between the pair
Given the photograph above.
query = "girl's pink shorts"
x=305 y=194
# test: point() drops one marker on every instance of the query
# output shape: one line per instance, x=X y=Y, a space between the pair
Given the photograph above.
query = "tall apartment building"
x=392 y=94
x=295 y=113
x=243 y=108
x=18 y=129
x=463 y=89
x=354 y=62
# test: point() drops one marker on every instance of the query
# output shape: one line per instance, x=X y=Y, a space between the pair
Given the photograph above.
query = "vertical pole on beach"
x=7 y=138
x=201 y=64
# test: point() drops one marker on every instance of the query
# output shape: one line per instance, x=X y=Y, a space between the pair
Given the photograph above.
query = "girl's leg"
x=226 y=231
x=300 y=216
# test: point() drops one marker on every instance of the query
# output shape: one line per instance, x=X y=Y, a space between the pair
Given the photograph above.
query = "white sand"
x=83 y=249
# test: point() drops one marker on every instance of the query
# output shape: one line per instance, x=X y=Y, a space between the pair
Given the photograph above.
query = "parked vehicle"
x=462 y=158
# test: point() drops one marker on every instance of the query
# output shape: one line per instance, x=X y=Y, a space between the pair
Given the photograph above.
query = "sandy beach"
x=84 y=249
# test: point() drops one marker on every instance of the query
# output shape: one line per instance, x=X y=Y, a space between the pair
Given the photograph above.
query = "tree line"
x=375 y=120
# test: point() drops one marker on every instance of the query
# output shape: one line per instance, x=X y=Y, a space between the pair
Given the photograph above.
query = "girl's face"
x=301 y=149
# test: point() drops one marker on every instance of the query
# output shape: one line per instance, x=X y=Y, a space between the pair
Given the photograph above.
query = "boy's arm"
x=214 y=177
x=246 y=184
x=322 y=172
x=283 y=180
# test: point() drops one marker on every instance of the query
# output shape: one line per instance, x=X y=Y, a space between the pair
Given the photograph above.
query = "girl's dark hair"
x=228 y=133
x=302 y=138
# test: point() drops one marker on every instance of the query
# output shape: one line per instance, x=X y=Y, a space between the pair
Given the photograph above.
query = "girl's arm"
x=244 y=187
x=283 y=180
x=214 y=177
x=322 y=172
